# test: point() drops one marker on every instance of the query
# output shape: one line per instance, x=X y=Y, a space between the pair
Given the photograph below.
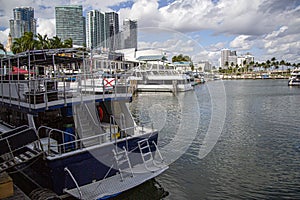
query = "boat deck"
x=114 y=185
x=65 y=102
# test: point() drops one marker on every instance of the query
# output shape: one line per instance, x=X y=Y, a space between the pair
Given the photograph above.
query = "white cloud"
x=253 y=23
x=241 y=43
x=282 y=46
x=46 y=27
x=4 y=36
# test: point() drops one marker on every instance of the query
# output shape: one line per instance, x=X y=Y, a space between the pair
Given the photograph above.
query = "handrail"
x=74 y=180
x=57 y=130
x=156 y=147
x=61 y=147
x=89 y=112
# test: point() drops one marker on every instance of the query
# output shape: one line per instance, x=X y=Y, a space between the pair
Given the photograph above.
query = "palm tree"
x=43 y=42
x=68 y=43
x=18 y=46
x=2 y=47
x=273 y=60
x=56 y=43
x=24 y=43
x=226 y=64
x=30 y=42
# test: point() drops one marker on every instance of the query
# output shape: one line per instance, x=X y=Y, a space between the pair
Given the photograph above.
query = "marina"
x=151 y=100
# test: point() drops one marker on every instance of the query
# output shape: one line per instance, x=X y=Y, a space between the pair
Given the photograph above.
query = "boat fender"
x=101 y=114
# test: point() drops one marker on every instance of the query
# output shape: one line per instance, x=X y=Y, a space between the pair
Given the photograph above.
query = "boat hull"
x=86 y=166
x=294 y=83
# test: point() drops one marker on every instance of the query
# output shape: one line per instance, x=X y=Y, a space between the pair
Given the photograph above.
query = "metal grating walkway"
x=114 y=185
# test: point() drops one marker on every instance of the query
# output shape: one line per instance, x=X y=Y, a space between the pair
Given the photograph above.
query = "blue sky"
x=198 y=28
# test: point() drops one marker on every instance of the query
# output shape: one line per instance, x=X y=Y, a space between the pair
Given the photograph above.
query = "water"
x=256 y=156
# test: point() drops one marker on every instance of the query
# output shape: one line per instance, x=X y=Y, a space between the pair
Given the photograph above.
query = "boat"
x=294 y=80
x=71 y=141
x=159 y=80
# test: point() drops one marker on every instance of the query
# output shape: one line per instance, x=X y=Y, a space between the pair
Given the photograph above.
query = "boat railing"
x=91 y=116
x=51 y=146
x=54 y=148
x=44 y=90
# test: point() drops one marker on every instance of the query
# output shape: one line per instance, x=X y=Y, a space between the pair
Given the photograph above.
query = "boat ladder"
x=146 y=153
x=122 y=159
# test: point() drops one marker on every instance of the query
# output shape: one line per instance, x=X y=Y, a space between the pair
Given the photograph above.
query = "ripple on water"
x=258 y=153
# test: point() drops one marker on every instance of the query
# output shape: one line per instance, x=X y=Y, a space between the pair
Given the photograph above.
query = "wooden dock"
x=9 y=191
x=18 y=195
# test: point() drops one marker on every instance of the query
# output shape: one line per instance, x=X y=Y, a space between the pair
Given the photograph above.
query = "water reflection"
x=257 y=155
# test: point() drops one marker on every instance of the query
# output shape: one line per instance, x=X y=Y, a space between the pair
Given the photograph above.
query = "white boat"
x=66 y=140
x=294 y=80
x=162 y=80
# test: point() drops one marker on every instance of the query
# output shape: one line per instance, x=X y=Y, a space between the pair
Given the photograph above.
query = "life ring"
x=101 y=114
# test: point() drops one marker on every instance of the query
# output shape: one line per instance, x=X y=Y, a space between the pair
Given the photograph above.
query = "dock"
x=18 y=195
x=9 y=191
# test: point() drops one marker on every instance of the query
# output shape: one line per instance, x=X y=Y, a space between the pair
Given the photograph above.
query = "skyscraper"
x=130 y=33
x=225 y=53
x=22 y=22
x=112 y=30
x=95 y=29
x=70 y=23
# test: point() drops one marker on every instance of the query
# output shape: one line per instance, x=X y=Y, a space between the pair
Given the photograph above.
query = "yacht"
x=71 y=140
x=294 y=80
x=160 y=80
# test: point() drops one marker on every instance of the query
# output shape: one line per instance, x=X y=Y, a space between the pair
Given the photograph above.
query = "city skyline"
x=196 y=28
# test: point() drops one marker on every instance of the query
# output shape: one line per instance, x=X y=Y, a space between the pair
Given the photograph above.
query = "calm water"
x=256 y=156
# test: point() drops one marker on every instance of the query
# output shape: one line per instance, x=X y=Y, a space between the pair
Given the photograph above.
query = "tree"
x=43 y=42
x=2 y=48
x=55 y=43
x=30 y=42
x=24 y=43
x=68 y=43
x=226 y=64
x=273 y=59
x=180 y=58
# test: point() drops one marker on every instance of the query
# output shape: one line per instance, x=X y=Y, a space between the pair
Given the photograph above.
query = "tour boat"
x=68 y=135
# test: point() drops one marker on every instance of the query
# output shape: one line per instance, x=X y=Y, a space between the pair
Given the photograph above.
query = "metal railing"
x=80 y=143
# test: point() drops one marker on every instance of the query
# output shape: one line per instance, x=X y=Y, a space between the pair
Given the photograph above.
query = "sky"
x=198 y=28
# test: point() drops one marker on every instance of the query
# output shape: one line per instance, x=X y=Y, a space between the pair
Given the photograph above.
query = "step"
x=142 y=141
x=145 y=147
x=146 y=154
x=24 y=157
x=120 y=162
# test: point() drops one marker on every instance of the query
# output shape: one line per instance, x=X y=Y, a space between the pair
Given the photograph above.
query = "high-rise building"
x=70 y=23
x=225 y=53
x=95 y=30
x=130 y=34
x=22 y=22
x=112 y=30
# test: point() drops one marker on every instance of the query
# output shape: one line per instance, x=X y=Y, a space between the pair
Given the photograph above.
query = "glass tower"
x=22 y=22
x=130 y=33
x=112 y=30
x=95 y=30
x=70 y=24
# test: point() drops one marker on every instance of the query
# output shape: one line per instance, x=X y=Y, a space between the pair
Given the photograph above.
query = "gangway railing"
x=74 y=180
